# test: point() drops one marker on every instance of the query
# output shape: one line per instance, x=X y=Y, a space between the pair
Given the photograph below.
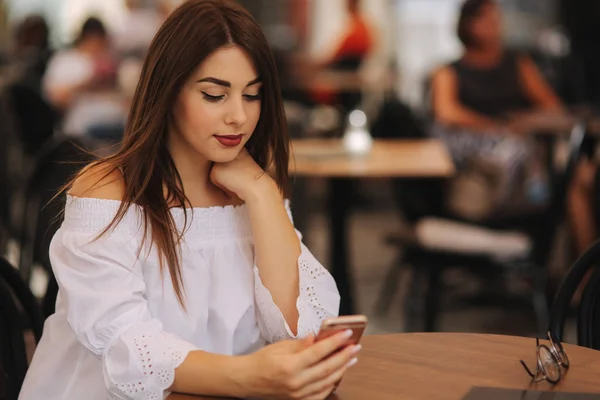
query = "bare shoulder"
x=99 y=180
x=443 y=74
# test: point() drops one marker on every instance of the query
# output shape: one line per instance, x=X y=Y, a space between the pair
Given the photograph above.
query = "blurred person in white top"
x=81 y=82
x=178 y=264
x=138 y=28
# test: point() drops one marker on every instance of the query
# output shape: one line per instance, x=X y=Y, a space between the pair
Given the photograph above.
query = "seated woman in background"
x=333 y=79
x=178 y=263
x=81 y=82
x=352 y=49
x=474 y=97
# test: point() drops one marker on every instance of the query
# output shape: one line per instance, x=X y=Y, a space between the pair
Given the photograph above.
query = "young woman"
x=178 y=264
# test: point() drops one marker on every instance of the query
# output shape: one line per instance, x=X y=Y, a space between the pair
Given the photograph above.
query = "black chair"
x=35 y=118
x=9 y=175
x=24 y=296
x=13 y=356
x=15 y=298
x=41 y=216
x=428 y=262
x=588 y=313
x=28 y=121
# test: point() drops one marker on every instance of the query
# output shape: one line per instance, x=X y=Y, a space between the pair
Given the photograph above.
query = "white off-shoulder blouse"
x=119 y=331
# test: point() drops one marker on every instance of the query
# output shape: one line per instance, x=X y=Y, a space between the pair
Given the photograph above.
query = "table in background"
x=326 y=158
x=447 y=365
x=549 y=128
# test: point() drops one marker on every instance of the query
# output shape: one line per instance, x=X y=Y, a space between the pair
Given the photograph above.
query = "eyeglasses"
x=550 y=359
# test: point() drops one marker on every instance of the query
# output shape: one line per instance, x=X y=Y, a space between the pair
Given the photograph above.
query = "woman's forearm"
x=209 y=374
x=277 y=248
x=465 y=118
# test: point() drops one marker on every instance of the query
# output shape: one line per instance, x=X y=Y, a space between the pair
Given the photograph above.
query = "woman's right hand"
x=300 y=369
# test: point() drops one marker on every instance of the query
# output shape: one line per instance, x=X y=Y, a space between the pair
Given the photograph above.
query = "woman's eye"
x=252 y=97
x=212 y=99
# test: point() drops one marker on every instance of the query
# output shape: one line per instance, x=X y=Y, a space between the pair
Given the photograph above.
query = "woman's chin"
x=226 y=155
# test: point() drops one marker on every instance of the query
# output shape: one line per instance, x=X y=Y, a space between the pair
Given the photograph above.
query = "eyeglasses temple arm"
x=527 y=368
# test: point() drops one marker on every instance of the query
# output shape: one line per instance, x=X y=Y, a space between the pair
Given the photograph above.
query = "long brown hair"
x=191 y=33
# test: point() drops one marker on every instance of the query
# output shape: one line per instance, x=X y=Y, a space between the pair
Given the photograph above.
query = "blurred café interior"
x=443 y=161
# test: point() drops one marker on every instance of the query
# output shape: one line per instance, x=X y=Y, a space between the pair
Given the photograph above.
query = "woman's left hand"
x=242 y=176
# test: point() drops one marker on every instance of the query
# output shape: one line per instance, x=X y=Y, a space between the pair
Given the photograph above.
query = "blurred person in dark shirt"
x=32 y=118
x=475 y=97
x=30 y=51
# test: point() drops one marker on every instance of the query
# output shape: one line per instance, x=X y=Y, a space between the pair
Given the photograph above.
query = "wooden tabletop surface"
x=448 y=365
x=326 y=158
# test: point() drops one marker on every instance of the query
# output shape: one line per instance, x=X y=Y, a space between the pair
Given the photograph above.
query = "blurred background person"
x=31 y=50
x=583 y=203
x=81 y=82
x=138 y=29
x=581 y=20
x=352 y=49
x=24 y=106
x=475 y=98
x=335 y=79
x=132 y=40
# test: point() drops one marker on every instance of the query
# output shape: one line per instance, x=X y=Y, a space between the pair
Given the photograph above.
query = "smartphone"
x=331 y=326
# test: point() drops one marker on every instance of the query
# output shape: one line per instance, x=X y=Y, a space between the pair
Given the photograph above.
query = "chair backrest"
x=397 y=121
x=15 y=299
x=570 y=283
x=588 y=324
x=58 y=161
x=24 y=296
x=581 y=144
x=8 y=147
x=35 y=118
x=13 y=356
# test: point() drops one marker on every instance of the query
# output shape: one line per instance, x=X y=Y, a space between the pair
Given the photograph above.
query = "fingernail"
x=356 y=349
x=347 y=333
x=352 y=362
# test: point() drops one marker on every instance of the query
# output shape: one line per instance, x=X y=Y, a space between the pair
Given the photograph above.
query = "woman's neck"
x=483 y=57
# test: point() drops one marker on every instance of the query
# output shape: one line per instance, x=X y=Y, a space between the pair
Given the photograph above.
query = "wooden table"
x=326 y=158
x=447 y=365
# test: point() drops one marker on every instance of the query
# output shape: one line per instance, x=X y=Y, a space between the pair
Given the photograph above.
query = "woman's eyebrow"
x=221 y=82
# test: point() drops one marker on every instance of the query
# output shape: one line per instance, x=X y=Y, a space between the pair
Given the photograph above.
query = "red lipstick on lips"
x=229 y=140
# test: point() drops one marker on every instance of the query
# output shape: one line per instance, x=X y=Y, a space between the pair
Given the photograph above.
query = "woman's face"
x=486 y=28
x=218 y=109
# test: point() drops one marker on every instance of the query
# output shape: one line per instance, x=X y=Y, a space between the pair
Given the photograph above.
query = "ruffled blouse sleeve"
x=318 y=299
x=100 y=281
